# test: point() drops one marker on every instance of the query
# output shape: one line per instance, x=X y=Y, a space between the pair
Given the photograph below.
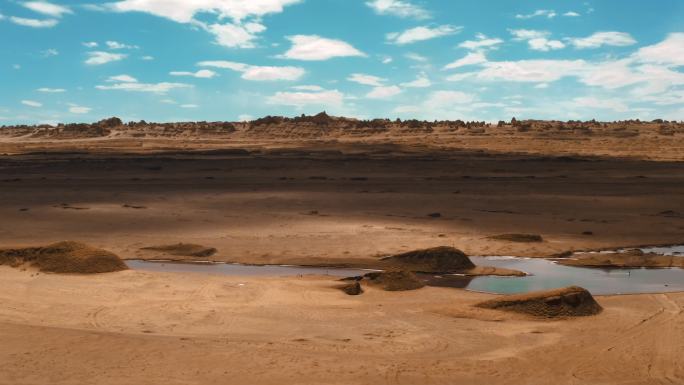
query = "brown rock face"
x=434 y=260
x=571 y=301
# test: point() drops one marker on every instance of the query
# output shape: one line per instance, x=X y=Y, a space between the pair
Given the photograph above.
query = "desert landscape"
x=400 y=202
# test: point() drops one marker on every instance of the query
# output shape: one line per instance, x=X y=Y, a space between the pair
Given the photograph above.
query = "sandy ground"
x=319 y=206
x=332 y=200
x=153 y=328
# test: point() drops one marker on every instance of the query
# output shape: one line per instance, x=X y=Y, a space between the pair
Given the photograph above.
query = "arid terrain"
x=331 y=191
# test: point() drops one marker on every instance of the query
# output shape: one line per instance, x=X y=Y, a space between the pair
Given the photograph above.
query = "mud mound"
x=398 y=280
x=441 y=259
x=184 y=250
x=627 y=259
x=64 y=257
x=571 y=301
x=518 y=237
x=353 y=288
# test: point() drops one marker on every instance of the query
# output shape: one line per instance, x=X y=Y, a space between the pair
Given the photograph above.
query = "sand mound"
x=571 y=301
x=64 y=257
x=184 y=250
x=397 y=280
x=435 y=260
x=518 y=237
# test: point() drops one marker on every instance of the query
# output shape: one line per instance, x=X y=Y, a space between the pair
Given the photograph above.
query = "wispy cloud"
x=31 y=103
x=257 y=73
x=129 y=83
x=33 y=23
x=538 y=13
x=368 y=80
x=51 y=90
x=102 y=57
x=598 y=39
x=481 y=42
x=76 y=109
x=116 y=45
x=202 y=74
x=417 y=34
x=325 y=98
x=47 y=8
x=383 y=92
x=421 y=81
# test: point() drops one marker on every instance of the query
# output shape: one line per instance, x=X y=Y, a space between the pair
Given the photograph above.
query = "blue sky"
x=173 y=60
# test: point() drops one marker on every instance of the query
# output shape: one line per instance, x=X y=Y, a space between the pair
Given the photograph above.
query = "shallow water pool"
x=234 y=269
x=545 y=274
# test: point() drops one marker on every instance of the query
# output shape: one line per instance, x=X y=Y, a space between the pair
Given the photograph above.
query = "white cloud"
x=76 y=109
x=236 y=35
x=188 y=106
x=598 y=39
x=31 y=103
x=184 y=11
x=542 y=86
x=314 y=47
x=203 y=74
x=470 y=59
x=386 y=59
x=122 y=78
x=51 y=90
x=257 y=73
x=544 y=44
x=301 y=99
x=416 y=34
x=571 y=14
x=116 y=45
x=398 y=8
x=422 y=81
x=538 y=13
x=537 y=40
x=415 y=57
x=383 y=92
x=481 y=42
x=668 y=52
x=147 y=58
x=46 y=8
x=34 y=23
x=368 y=80
x=90 y=44
x=241 y=33
x=101 y=57
x=600 y=103
x=159 y=88
x=245 y=118
x=307 y=88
